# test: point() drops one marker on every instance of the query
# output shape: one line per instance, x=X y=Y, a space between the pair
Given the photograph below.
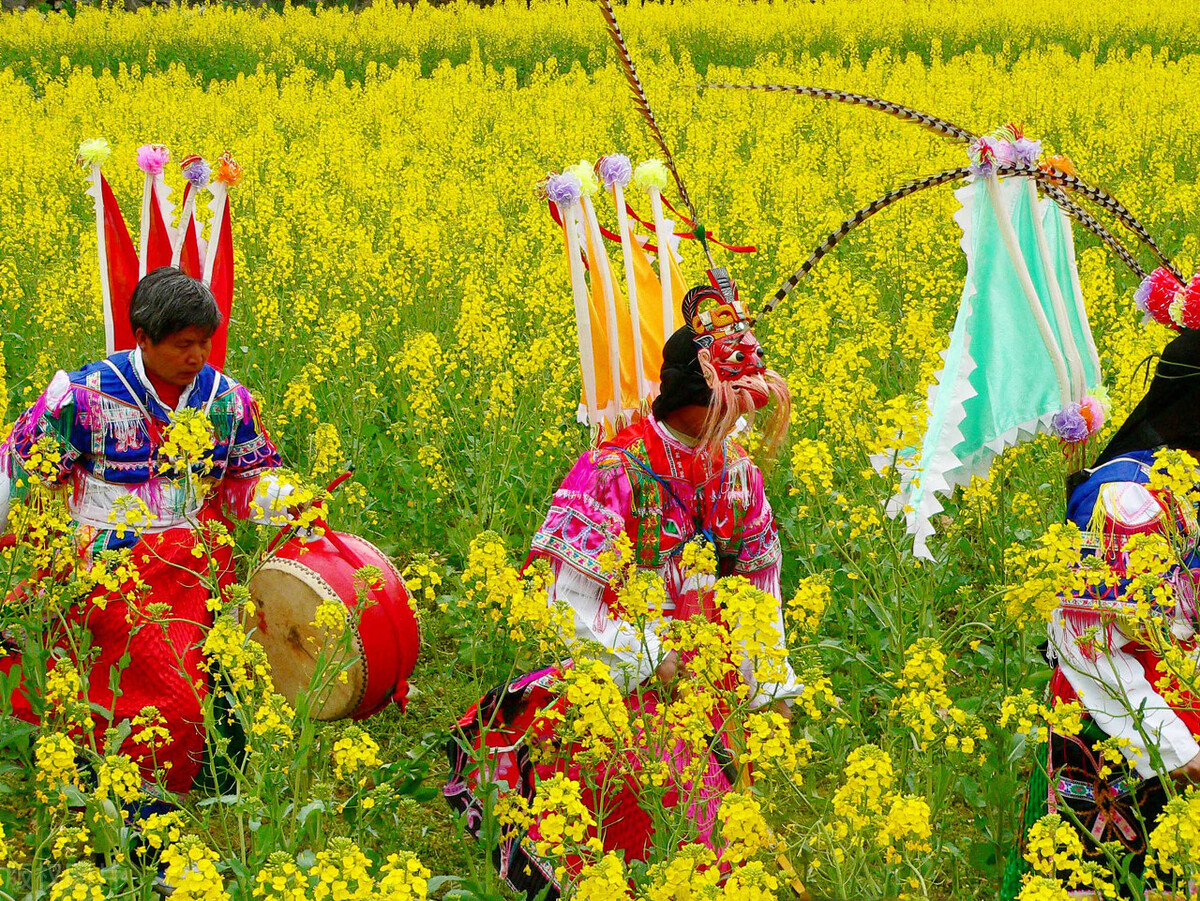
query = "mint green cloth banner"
x=999 y=384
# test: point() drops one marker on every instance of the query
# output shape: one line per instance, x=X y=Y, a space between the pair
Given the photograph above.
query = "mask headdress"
x=726 y=317
x=732 y=363
x=122 y=266
x=622 y=338
x=998 y=386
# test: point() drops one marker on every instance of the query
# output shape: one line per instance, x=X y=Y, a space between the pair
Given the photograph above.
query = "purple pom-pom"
x=1028 y=151
x=615 y=169
x=563 y=189
x=1141 y=297
x=1069 y=425
x=152 y=157
x=197 y=171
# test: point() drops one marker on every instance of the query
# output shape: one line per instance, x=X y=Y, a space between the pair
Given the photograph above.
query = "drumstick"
x=338 y=481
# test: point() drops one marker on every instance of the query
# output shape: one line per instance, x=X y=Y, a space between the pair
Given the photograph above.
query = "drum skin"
x=287 y=589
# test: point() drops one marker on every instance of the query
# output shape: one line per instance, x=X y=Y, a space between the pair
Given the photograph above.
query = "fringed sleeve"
x=49 y=424
x=250 y=490
x=1111 y=685
x=588 y=512
x=1101 y=662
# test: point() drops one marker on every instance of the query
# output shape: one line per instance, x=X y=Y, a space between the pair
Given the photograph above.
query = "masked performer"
x=672 y=478
x=1106 y=658
x=101 y=433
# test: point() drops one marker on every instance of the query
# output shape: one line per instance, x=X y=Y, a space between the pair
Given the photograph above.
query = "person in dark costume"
x=1104 y=657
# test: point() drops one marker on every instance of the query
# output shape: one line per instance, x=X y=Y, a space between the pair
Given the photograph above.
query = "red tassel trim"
x=237 y=495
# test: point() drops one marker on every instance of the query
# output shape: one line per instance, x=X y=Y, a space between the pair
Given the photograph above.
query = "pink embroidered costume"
x=662 y=490
x=107 y=424
x=652 y=486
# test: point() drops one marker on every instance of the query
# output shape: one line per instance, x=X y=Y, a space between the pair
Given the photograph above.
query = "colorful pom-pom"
x=563 y=190
x=151 y=158
x=614 y=169
x=1027 y=151
x=652 y=174
x=983 y=157
x=228 y=173
x=1060 y=163
x=1189 y=305
x=196 y=170
x=1094 y=412
x=1006 y=146
x=93 y=152
x=1157 y=295
x=1006 y=153
x=588 y=183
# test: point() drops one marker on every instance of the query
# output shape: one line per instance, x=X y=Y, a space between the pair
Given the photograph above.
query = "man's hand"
x=668 y=669
x=1189 y=772
x=784 y=709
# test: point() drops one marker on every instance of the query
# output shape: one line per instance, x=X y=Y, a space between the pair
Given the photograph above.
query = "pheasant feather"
x=1055 y=179
x=1092 y=224
x=938 y=126
x=643 y=108
x=835 y=237
x=1052 y=182
x=1106 y=202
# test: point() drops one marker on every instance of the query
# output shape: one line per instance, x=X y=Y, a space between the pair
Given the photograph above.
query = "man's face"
x=178 y=358
x=738 y=359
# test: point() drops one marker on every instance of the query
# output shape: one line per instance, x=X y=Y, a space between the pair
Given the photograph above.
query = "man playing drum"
x=104 y=428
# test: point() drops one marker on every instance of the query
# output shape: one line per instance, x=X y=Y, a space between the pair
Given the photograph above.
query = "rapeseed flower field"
x=403 y=304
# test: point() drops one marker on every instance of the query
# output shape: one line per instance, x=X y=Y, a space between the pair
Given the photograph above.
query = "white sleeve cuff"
x=1175 y=742
x=270 y=507
x=632 y=653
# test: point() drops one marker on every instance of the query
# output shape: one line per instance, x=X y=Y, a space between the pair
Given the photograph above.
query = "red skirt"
x=503 y=732
x=166 y=669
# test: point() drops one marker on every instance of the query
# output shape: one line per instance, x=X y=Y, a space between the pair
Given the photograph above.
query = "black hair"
x=682 y=380
x=168 y=300
x=1169 y=414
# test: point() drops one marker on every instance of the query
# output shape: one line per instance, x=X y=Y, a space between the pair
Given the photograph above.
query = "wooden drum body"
x=287 y=590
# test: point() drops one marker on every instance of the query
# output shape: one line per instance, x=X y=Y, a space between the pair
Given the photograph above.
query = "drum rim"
x=286 y=563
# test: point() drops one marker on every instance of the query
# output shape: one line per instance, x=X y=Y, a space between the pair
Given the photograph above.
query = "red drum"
x=288 y=588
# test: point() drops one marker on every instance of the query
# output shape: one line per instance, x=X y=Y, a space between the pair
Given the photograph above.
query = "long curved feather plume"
x=835 y=237
x=1106 y=202
x=643 y=107
x=938 y=126
x=1052 y=181
x=947 y=129
x=1092 y=224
